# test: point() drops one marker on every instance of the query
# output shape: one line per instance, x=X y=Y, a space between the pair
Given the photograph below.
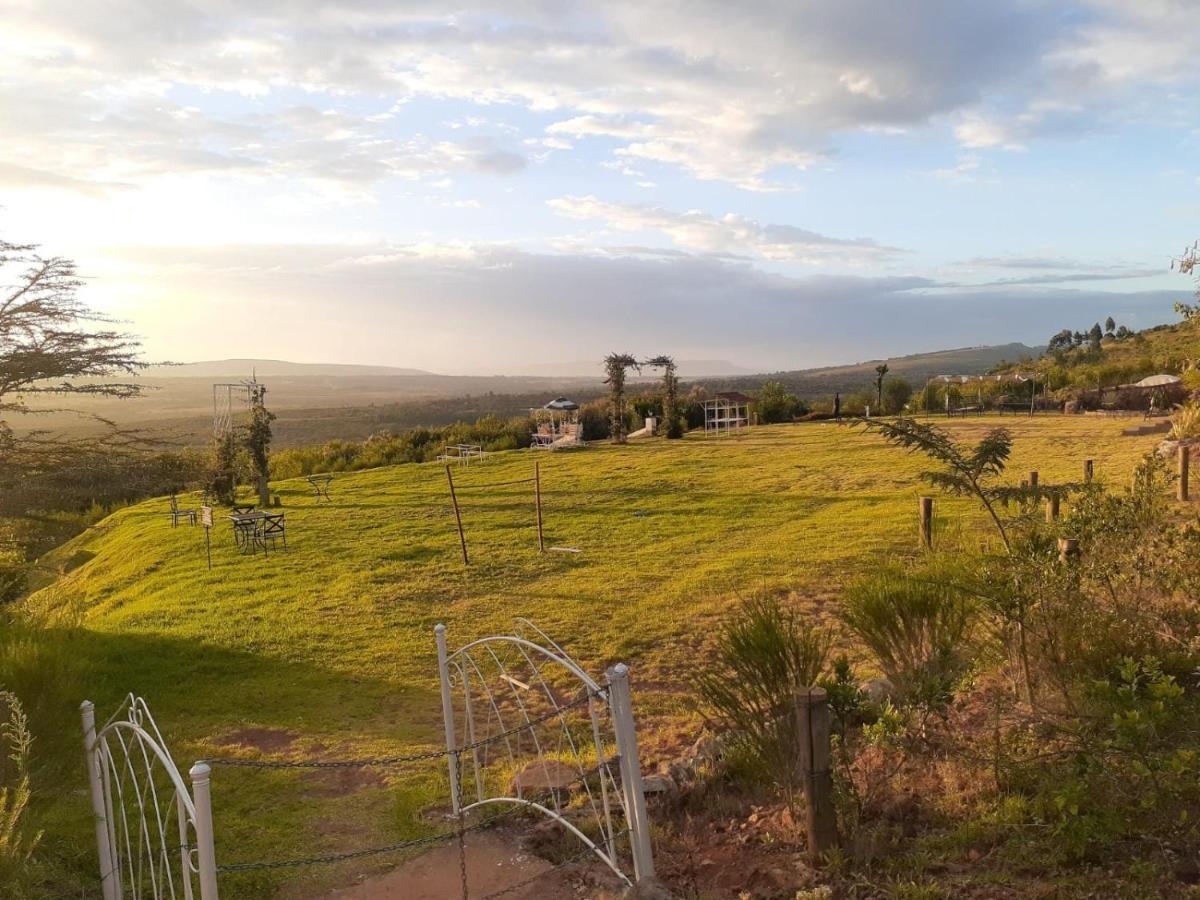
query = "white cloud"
x=727 y=235
x=748 y=99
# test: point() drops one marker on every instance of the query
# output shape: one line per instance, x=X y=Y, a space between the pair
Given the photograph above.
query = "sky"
x=496 y=187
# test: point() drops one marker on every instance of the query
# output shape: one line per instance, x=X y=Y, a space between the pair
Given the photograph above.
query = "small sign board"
x=206 y=516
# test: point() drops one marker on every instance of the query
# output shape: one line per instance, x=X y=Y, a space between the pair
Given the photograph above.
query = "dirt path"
x=494 y=862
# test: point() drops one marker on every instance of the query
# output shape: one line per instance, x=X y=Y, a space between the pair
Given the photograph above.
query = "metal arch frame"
x=458 y=669
x=141 y=849
x=223 y=403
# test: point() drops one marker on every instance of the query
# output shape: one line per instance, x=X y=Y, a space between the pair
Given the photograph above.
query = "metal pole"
x=631 y=771
x=206 y=853
x=108 y=874
x=448 y=713
x=462 y=538
x=537 y=499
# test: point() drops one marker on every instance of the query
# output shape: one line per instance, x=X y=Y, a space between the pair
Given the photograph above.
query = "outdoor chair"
x=245 y=534
x=177 y=513
x=274 y=528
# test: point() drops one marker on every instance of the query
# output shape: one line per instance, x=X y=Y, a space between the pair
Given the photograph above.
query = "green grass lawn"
x=333 y=640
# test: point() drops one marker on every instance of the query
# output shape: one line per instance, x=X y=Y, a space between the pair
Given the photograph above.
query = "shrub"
x=17 y=839
x=1185 y=423
x=915 y=625
x=775 y=404
x=764 y=656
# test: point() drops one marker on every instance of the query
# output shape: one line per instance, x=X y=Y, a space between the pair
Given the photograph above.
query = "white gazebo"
x=726 y=413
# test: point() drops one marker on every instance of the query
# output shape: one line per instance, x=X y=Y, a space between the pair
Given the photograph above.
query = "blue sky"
x=495 y=187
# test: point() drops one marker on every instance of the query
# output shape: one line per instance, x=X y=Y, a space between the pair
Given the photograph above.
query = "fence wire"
x=385 y=761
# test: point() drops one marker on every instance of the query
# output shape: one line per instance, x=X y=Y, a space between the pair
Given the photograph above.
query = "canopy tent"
x=1158 y=380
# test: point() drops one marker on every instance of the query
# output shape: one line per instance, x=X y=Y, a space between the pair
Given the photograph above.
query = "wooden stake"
x=1068 y=549
x=812 y=717
x=1033 y=481
x=1088 y=470
x=926 y=522
x=537 y=499
x=1183 y=472
x=462 y=538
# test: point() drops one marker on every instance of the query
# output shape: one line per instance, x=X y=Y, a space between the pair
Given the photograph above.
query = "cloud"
x=434 y=305
x=749 y=99
x=729 y=235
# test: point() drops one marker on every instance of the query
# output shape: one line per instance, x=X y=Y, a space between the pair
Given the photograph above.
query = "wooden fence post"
x=1183 y=471
x=1033 y=481
x=1068 y=549
x=926 y=522
x=812 y=717
x=1052 y=507
x=462 y=538
x=537 y=499
x=1088 y=471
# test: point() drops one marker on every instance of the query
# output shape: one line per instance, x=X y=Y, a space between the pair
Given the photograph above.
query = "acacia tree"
x=674 y=426
x=616 y=365
x=46 y=346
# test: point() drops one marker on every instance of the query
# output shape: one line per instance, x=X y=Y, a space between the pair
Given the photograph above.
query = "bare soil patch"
x=495 y=861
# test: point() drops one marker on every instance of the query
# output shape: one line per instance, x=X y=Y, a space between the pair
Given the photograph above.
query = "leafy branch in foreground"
x=967 y=471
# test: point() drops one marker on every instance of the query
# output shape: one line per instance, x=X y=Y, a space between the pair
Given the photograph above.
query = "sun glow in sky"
x=495 y=187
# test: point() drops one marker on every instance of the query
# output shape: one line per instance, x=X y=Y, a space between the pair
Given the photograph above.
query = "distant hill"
x=917 y=368
x=318 y=402
x=594 y=368
x=236 y=369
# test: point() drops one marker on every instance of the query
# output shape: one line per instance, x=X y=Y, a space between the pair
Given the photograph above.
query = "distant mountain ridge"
x=272 y=368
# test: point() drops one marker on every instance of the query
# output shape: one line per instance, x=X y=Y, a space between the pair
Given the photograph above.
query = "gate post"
x=448 y=711
x=206 y=854
x=631 y=771
x=108 y=873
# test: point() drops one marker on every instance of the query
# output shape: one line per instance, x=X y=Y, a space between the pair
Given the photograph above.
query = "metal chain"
x=374 y=851
x=333 y=857
x=462 y=844
x=231 y=762
x=319 y=764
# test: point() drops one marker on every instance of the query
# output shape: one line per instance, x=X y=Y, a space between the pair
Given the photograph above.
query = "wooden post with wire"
x=926 y=522
x=462 y=538
x=537 y=499
x=1183 y=472
x=812 y=720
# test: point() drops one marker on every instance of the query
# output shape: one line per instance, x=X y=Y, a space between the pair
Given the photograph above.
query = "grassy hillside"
x=331 y=644
x=1170 y=348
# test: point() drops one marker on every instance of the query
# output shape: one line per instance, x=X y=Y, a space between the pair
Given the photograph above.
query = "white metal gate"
x=154 y=837
x=542 y=734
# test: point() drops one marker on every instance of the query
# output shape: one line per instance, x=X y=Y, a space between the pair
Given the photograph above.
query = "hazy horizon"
x=511 y=185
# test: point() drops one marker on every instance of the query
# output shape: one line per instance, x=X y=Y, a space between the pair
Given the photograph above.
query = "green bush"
x=764 y=656
x=915 y=625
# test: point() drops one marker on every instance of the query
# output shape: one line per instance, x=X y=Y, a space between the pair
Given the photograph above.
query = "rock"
x=546 y=775
x=878 y=689
x=649 y=889
x=658 y=784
